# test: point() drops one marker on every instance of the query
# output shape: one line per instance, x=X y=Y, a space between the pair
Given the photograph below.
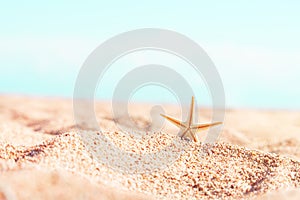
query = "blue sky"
x=255 y=45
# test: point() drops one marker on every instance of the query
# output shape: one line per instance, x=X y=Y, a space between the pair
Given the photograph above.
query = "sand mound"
x=42 y=155
x=202 y=171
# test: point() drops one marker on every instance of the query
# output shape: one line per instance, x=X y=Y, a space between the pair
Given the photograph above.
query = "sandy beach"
x=43 y=156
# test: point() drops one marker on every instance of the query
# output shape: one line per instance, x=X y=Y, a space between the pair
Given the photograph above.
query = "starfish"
x=188 y=127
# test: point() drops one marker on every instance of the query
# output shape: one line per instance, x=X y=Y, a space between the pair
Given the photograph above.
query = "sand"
x=44 y=156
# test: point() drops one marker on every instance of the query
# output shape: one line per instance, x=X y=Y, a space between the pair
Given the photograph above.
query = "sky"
x=255 y=46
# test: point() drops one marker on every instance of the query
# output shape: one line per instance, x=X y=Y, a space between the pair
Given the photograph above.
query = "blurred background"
x=254 y=45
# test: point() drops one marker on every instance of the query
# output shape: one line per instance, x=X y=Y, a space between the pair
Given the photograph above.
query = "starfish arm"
x=205 y=126
x=191 y=116
x=194 y=136
x=174 y=121
x=183 y=133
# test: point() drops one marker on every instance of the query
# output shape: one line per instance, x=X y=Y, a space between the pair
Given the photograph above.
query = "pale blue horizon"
x=254 y=45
